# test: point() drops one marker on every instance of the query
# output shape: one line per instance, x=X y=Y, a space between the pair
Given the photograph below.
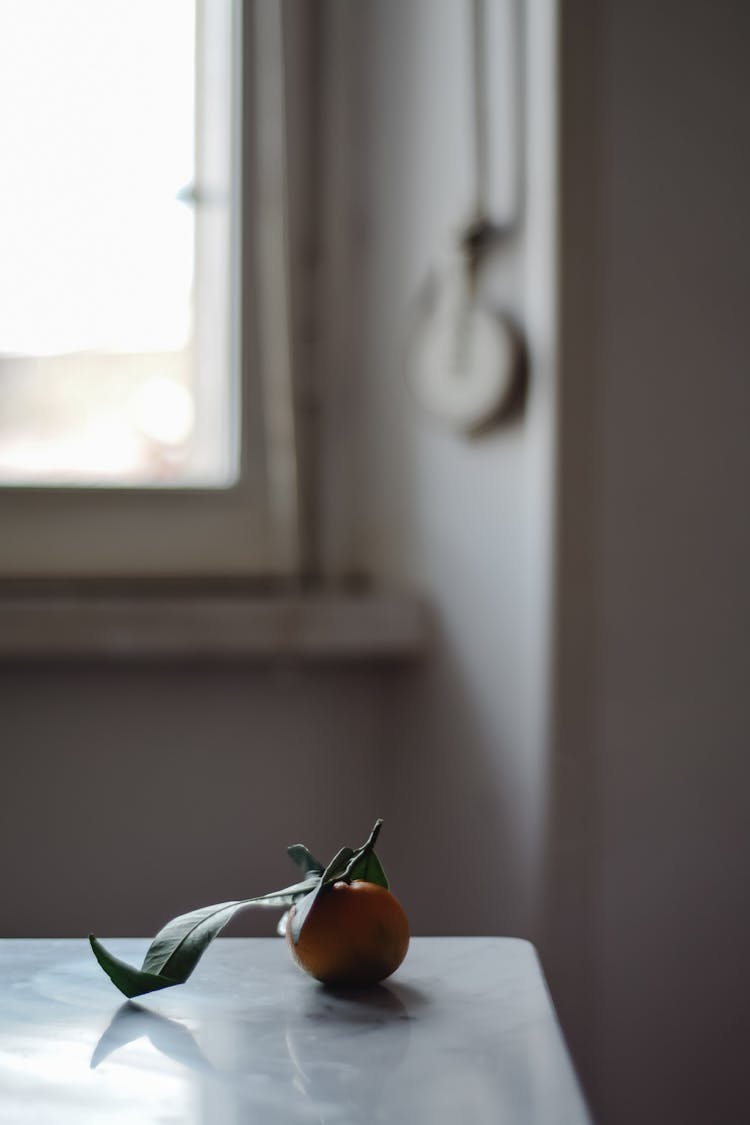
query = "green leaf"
x=131 y=982
x=365 y=864
x=338 y=865
x=285 y=897
x=179 y=946
x=302 y=909
x=304 y=859
x=368 y=868
x=347 y=865
x=335 y=870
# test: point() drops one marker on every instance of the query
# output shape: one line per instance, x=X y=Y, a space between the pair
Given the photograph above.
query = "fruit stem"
x=373 y=836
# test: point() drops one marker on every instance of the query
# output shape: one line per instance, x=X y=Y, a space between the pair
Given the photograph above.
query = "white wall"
x=466 y=521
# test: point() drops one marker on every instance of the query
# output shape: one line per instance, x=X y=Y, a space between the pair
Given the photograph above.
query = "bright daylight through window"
x=115 y=263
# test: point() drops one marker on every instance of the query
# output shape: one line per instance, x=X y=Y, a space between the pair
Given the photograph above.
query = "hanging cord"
x=480 y=231
x=481 y=115
x=464 y=356
x=485 y=229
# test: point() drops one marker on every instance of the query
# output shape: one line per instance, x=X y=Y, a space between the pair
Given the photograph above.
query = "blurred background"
x=561 y=752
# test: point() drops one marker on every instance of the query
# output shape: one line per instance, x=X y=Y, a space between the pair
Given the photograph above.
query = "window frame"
x=248 y=528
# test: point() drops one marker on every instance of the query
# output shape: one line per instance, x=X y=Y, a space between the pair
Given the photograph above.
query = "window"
x=139 y=150
x=201 y=457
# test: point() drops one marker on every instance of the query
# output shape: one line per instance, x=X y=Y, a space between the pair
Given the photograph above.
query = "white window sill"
x=197 y=621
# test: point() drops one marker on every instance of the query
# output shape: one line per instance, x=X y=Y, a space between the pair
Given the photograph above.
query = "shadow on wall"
x=451 y=842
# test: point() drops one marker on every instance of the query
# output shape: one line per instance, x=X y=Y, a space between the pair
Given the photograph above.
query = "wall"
x=648 y=913
x=467 y=521
x=131 y=793
x=641 y=916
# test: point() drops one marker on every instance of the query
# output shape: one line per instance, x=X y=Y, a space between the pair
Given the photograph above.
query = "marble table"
x=463 y=1033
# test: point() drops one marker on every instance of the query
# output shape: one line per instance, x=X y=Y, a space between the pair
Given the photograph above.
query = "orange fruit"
x=355 y=934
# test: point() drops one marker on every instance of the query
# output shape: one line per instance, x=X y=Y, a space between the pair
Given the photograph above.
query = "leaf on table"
x=131 y=982
x=179 y=946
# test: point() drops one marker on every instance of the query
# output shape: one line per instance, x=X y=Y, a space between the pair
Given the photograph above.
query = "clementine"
x=355 y=934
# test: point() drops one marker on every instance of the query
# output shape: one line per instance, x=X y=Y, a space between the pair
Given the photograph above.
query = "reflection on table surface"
x=464 y=1030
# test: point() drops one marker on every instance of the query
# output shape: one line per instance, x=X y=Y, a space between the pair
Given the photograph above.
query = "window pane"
x=98 y=228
